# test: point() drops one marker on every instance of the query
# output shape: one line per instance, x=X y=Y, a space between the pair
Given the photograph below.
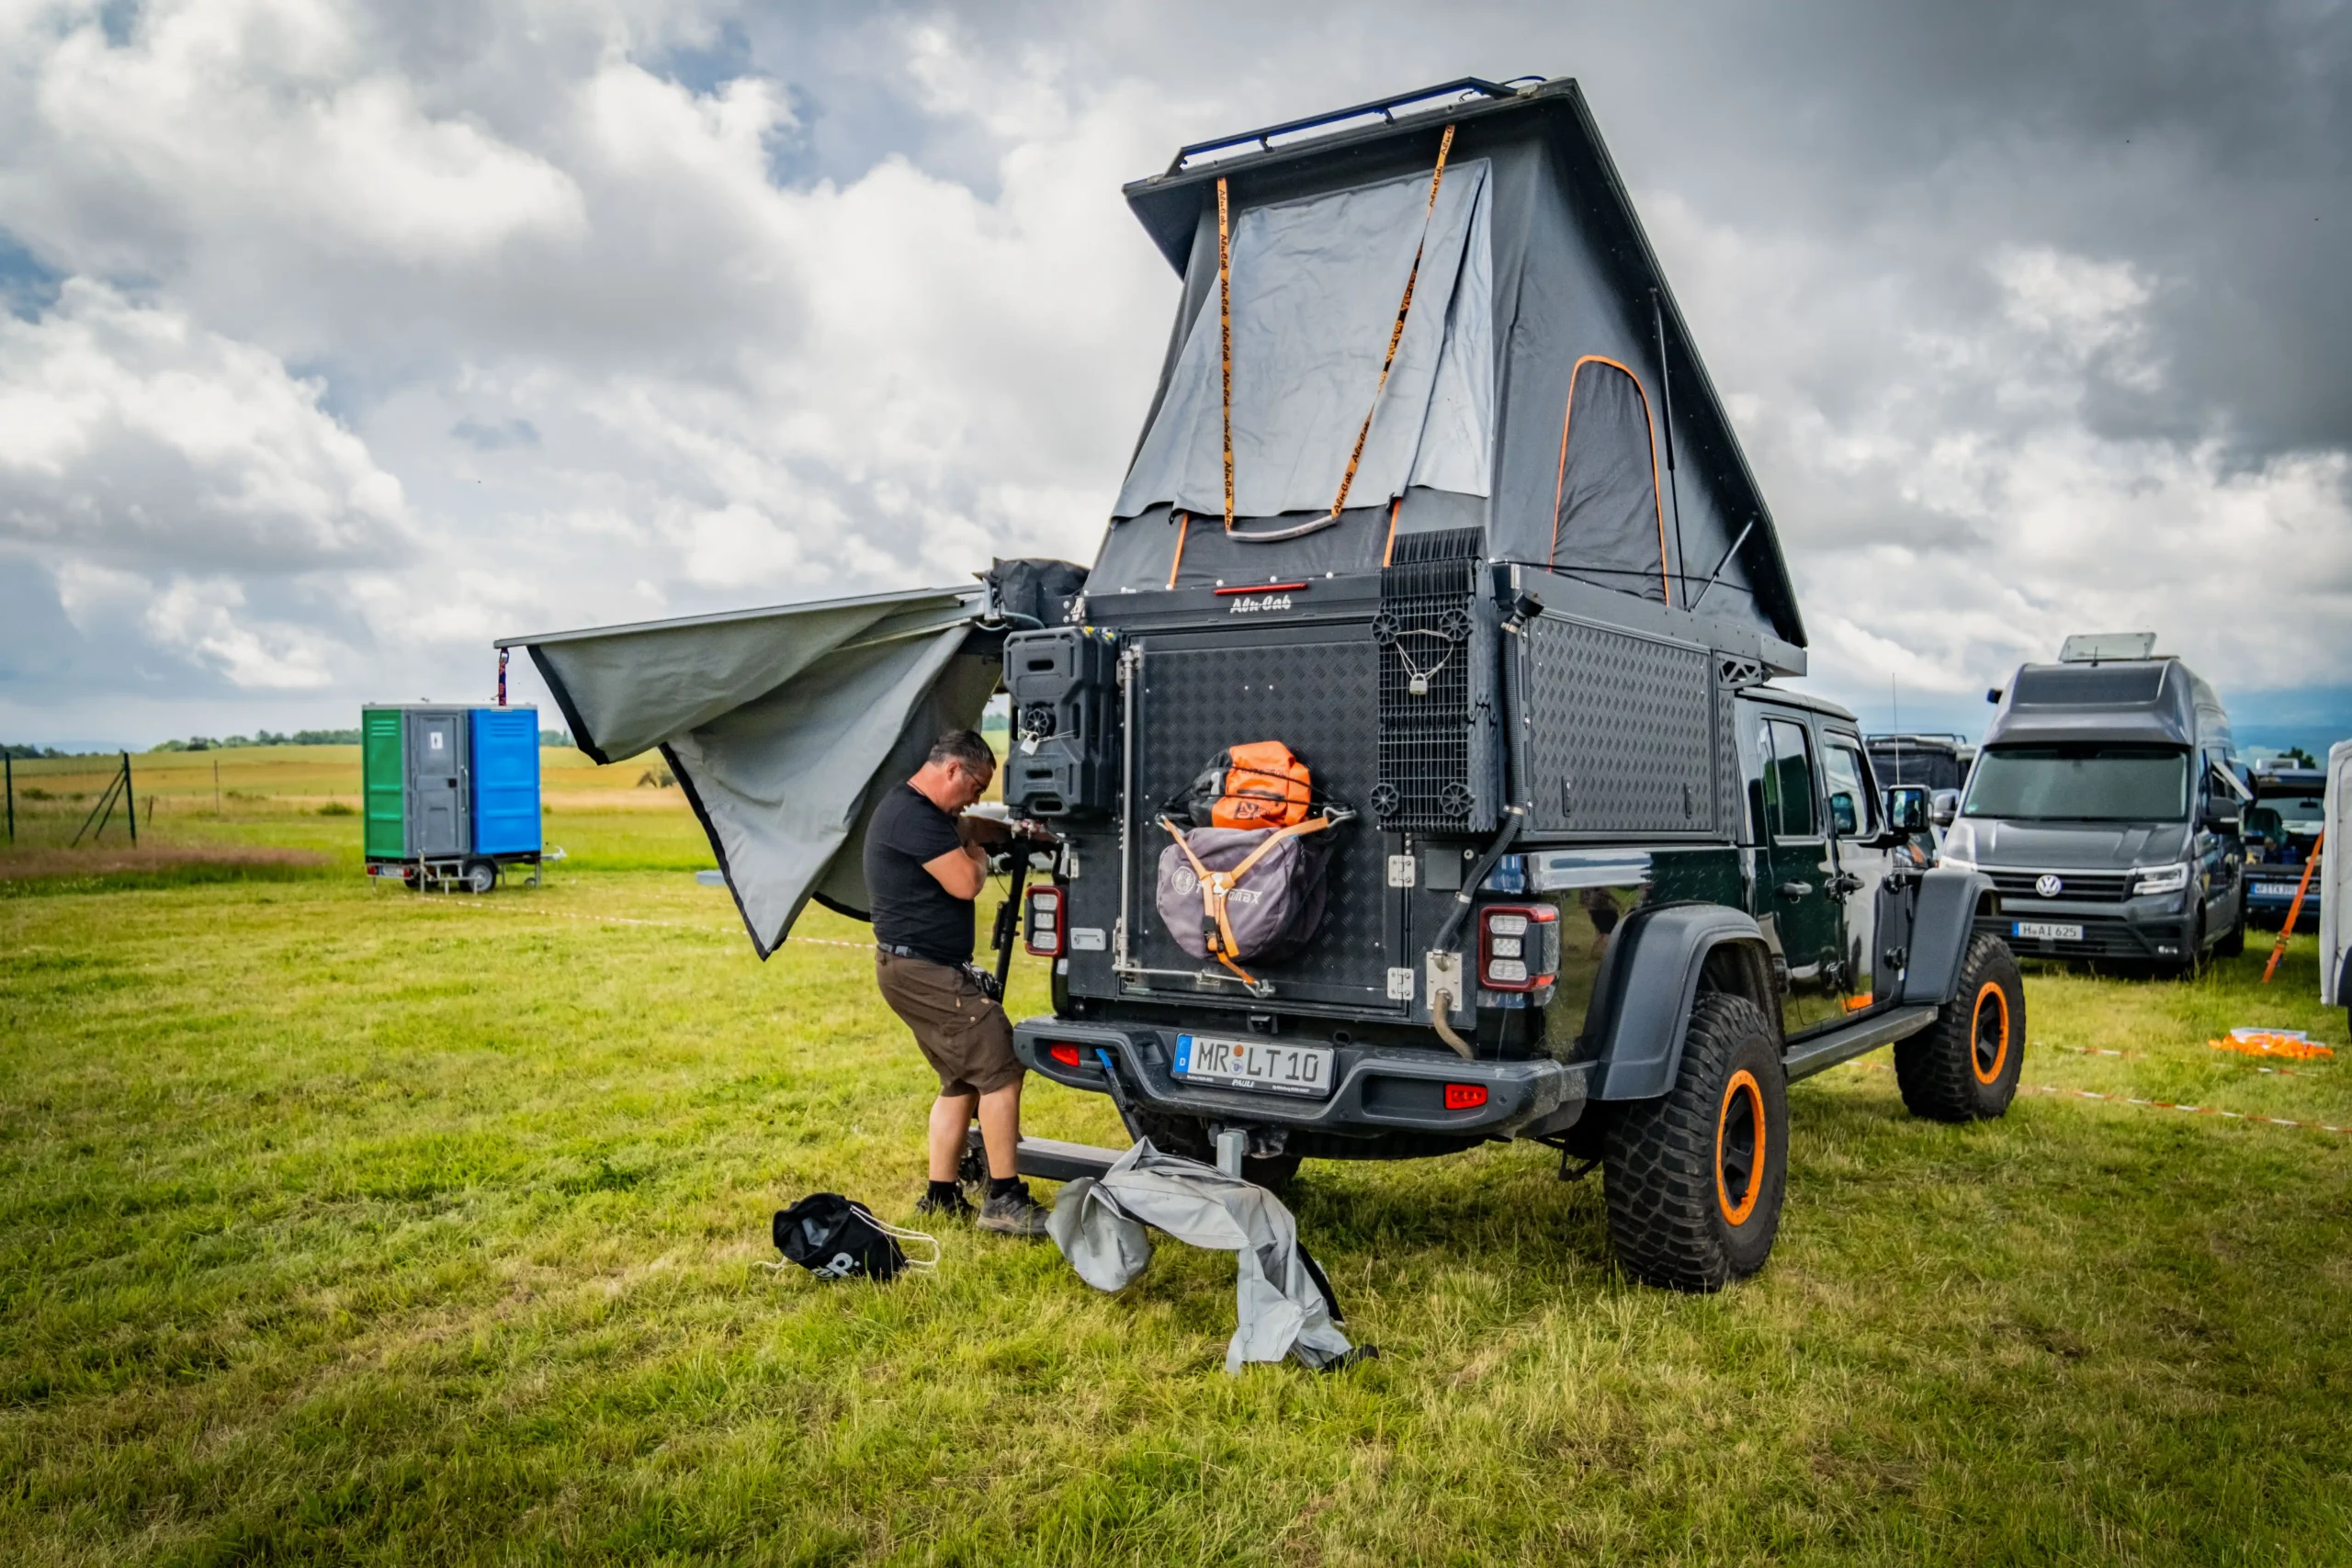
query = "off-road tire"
x=2232 y=942
x=1964 y=1067
x=1183 y=1135
x=1678 y=1218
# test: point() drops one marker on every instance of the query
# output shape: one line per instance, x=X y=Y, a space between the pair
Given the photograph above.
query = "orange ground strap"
x=1397 y=333
x=1215 y=884
x=2311 y=863
x=1225 y=340
x=1183 y=526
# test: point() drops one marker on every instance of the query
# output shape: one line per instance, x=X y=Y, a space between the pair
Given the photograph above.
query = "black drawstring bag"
x=834 y=1239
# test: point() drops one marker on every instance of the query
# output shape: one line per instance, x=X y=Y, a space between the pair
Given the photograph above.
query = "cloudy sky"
x=339 y=339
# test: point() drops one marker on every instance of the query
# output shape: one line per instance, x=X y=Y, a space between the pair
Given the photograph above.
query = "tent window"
x=1606 y=518
x=1315 y=284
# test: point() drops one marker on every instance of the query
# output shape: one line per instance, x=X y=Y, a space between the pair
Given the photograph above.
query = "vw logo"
x=2048 y=885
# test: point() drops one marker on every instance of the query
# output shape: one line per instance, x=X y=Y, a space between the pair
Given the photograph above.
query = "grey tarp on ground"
x=1098 y=1224
x=1315 y=284
x=780 y=723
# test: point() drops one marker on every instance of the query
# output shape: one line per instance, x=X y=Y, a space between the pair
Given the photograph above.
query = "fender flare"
x=1648 y=984
x=1943 y=920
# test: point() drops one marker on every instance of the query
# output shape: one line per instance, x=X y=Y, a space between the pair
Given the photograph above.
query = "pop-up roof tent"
x=1434 y=312
x=1539 y=382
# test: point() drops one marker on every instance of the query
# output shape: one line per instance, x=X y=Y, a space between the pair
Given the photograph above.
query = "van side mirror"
x=1946 y=808
x=1907 y=809
x=2221 y=815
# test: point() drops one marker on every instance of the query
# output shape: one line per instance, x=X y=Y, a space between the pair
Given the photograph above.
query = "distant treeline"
x=262 y=738
x=271 y=738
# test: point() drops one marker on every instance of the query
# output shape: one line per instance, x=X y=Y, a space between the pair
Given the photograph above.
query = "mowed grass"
x=343 y=1224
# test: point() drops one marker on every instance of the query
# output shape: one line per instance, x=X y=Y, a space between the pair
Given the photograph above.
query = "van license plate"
x=2044 y=931
x=1255 y=1064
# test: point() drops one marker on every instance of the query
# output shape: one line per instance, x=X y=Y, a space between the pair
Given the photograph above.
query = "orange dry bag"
x=1258 y=785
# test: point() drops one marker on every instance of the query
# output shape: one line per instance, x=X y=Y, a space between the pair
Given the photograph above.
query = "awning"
x=782 y=724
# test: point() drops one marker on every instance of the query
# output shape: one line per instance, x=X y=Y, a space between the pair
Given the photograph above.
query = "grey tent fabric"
x=1609 y=523
x=1315 y=284
x=1098 y=1224
x=781 y=724
x=1557 y=271
x=632 y=687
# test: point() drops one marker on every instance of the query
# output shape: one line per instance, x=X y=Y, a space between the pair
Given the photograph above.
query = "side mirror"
x=1907 y=809
x=1947 y=808
x=2222 y=815
x=1842 y=818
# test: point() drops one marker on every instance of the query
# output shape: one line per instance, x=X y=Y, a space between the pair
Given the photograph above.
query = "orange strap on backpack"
x=1265 y=786
x=1217 y=885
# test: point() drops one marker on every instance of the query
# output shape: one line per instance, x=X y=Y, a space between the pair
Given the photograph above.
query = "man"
x=924 y=867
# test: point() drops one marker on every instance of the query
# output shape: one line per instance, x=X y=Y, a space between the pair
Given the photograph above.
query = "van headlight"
x=2159 y=879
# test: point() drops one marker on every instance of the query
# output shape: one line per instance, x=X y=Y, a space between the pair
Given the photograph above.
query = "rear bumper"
x=1378 y=1087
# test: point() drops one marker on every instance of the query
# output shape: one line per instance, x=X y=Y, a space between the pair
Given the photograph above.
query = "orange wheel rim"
x=1988 y=1033
x=1739 y=1147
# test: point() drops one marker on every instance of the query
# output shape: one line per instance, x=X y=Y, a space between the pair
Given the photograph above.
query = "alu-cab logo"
x=2048 y=885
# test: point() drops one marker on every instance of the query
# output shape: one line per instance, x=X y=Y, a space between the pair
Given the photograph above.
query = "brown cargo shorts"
x=965 y=1037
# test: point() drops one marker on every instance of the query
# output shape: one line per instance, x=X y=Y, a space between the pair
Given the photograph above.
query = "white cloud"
x=129 y=432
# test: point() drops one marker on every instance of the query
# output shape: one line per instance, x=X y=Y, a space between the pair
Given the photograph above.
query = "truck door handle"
x=1794 y=889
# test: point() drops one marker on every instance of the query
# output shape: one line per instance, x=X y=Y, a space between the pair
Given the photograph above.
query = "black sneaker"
x=1013 y=1213
x=951 y=1207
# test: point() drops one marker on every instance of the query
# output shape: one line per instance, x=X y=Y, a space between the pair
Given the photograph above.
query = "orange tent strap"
x=1183 y=526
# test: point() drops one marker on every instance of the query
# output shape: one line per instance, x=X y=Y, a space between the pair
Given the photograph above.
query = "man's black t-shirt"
x=911 y=909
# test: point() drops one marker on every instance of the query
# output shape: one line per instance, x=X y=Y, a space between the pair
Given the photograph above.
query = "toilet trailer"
x=451 y=793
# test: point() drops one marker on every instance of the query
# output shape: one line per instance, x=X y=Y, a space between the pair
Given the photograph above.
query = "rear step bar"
x=1050 y=1159
x=1856 y=1040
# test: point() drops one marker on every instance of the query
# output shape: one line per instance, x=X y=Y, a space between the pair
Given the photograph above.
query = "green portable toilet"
x=383 y=774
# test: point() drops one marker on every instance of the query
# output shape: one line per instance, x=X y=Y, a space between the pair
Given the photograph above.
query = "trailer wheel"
x=1695 y=1177
x=1964 y=1067
x=481 y=875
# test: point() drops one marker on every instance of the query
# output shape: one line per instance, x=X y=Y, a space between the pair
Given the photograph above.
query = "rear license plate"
x=2044 y=931
x=1255 y=1064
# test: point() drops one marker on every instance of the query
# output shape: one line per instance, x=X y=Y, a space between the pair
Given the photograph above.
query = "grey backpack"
x=1243 y=892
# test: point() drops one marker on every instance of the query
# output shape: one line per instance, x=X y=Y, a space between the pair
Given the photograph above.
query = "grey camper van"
x=1434 y=503
x=2105 y=809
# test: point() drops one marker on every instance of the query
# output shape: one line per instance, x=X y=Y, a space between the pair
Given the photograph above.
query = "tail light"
x=1518 y=946
x=1464 y=1096
x=1041 y=925
x=1063 y=1052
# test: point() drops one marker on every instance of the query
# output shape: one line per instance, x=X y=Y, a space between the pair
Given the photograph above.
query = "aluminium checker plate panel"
x=1316 y=690
x=1623 y=734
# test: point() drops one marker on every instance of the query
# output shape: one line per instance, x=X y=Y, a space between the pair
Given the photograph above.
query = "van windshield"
x=2080 y=784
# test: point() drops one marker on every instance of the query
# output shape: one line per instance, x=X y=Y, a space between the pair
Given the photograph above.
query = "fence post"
x=8 y=761
x=129 y=800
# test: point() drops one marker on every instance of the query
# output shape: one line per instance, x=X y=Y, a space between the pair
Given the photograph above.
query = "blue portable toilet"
x=506 y=781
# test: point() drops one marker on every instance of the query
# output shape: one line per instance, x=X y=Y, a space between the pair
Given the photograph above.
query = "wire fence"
x=57 y=802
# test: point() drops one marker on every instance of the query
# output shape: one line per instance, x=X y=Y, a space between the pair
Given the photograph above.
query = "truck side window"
x=1788 y=780
x=1852 y=812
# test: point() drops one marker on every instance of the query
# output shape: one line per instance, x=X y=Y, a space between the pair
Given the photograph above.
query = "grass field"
x=344 y=1225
